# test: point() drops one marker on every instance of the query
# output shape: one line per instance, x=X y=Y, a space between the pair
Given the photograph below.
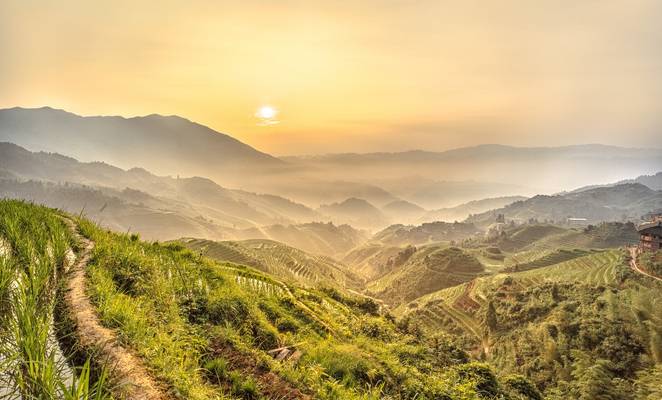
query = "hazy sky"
x=349 y=75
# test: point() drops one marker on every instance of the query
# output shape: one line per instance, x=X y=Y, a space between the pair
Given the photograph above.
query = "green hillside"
x=426 y=270
x=373 y=260
x=280 y=260
x=206 y=330
x=402 y=235
x=537 y=245
x=203 y=329
x=272 y=322
x=651 y=262
x=586 y=325
x=519 y=237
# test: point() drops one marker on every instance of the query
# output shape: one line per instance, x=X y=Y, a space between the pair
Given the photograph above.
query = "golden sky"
x=374 y=75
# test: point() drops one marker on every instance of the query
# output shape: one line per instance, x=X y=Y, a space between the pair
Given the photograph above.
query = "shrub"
x=521 y=387
x=375 y=327
x=246 y=387
x=132 y=272
x=217 y=369
x=286 y=324
x=233 y=308
x=484 y=379
x=345 y=363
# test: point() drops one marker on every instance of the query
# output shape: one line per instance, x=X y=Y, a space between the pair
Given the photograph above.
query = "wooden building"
x=650 y=235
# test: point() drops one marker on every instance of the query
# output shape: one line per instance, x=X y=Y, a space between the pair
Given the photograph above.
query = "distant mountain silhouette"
x=356 y=212
x=461 y=212
x=652 y=181
x=622 y=202
x=431 y=232
x=483 y=151
x=167 y=145
x=172 y=145
x=403 y=211
x=534 y=169
x=192 y=197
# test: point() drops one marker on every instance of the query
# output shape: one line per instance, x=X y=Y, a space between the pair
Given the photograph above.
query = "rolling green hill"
x=558 y=324
x=372 y=260
x=462 y=211
x=426 y=270
x=517 y=238
x=534 y=245
x=211 y=329
x=316 y=237
x=203 y=329
x=403 y=235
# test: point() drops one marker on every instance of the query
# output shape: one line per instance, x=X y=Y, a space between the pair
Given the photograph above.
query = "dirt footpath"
x=129 y=377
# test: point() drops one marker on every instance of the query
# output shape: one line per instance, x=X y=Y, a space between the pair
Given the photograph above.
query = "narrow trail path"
x=128 y=374
x=633 y=264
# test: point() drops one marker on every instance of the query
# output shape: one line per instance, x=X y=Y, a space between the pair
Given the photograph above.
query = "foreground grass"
x=34 y=244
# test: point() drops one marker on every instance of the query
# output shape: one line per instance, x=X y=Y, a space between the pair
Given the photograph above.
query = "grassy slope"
x=204 y=327
x=429 y=269
x=593 y=268
x=371 y=260
x=280 y=260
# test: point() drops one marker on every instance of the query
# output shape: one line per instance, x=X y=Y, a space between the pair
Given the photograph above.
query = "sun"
x=266 y=112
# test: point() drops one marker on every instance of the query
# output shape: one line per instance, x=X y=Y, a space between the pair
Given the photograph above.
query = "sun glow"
x=266 y=112
x=267 y=115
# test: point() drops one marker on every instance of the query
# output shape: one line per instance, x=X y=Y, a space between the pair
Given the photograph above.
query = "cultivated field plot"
x=277 y=259
x=457 y=306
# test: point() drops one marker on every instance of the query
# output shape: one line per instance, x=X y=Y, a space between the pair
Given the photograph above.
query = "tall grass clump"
x=35 y=241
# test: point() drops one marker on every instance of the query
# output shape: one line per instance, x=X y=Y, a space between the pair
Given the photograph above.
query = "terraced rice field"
x=255 y=281
x=435 y=309
x=226 y=251
x=548 y=258
x=596 y=268
x=526 y=256
x=285 y=262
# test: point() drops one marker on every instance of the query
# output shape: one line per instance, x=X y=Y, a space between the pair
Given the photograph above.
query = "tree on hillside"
x=491 y=317
x=593 y=380
x=648 y=384
x=555 y=293
x=656 y=345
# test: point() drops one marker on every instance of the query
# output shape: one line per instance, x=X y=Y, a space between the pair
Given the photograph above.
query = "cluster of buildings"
x=650 y=234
